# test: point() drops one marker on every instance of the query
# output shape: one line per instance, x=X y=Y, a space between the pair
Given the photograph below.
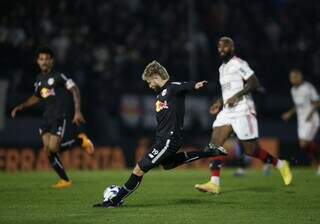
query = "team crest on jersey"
x=161 y=105
x=164 y=92
x=44 y=92
x=51 y=81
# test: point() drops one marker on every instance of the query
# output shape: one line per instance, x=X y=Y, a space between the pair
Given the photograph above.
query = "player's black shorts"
x=55 y=126
x=159 y=153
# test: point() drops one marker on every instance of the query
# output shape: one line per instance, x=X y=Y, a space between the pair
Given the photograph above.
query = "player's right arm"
x=288 y=114
x=31 y=101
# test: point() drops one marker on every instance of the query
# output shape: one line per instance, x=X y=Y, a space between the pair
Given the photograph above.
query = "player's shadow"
x=177 y=202
x=251 y=189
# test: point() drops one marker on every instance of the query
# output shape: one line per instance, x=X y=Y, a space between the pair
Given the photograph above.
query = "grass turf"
x=164 y=197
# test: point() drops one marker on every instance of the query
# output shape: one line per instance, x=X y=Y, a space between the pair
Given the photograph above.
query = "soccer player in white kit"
x=236 y=114
x=306 y=103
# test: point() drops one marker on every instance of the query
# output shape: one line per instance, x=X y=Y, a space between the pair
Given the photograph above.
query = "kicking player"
x=306 y=103
x=50 y=88
x=170 y=109
x=236 y=113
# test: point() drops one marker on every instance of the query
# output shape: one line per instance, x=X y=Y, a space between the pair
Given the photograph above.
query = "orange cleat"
x=62 y=184
x=87 y=144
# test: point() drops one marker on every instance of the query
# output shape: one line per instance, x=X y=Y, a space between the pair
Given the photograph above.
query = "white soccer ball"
x=110 y=192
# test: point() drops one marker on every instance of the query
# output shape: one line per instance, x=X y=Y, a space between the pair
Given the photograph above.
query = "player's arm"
x=179 y=87
x=73 y=88
x=288 y=114
x=31 y=101
x=315 y=102
x=252 y=83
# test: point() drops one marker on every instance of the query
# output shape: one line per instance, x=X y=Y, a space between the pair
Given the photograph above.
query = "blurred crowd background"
x=104 y=46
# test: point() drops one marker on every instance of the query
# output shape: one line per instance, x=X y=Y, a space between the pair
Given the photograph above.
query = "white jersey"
x=303 y=96
x=232 y=76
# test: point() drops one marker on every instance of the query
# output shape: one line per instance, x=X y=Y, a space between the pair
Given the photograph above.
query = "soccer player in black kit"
x=51 y=89
x=170 y=109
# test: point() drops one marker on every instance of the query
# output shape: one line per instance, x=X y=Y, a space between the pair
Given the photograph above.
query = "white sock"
x=280 y=164
x=215 y=180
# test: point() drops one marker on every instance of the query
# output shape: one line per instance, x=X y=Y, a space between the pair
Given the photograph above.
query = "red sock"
x=215 y=167
x=264 y=156
x=312 y=150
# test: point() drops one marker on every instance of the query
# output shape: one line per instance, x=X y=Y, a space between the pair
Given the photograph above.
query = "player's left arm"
x=251 y=85
x=180 y=87
x=78 y=118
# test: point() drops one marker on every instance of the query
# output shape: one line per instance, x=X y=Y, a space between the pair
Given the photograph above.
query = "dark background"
x=104 y=46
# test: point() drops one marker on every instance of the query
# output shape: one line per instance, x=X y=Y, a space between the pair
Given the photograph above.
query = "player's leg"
x=180 y=158
x=56 y=163
x=79 y=139
x=246 y=128
x=241 y=169
x=306 y=133
x=159 y=151
x=219 y=136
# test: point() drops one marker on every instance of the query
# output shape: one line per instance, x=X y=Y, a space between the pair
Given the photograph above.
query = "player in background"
x=51 y=89
x=306 y=104
x=170 y=110
x=236 y=114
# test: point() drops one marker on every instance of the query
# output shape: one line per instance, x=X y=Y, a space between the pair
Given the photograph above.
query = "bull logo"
x=47 y=92
x=161 y=105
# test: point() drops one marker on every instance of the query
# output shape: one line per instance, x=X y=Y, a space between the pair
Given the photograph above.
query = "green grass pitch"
x=163 y=197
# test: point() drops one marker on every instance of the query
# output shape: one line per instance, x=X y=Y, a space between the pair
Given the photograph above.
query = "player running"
x=236 y=114
x=306 y=103
x=170 y=109
x=51 y=89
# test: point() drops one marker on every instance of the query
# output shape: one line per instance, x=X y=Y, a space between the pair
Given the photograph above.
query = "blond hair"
x=155 y=68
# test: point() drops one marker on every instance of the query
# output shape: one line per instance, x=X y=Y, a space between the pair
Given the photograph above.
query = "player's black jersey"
x=52 y=89
x=170 y=108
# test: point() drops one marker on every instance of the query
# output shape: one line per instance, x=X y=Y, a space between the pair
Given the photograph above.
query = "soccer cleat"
x=62 y=184
x=107 y=204
x=286 y=173
x=208 y=188
x=216 y=150
x=87 y=144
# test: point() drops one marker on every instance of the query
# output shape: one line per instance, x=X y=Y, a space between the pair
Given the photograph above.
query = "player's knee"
x=53 y=149
x=138 y=171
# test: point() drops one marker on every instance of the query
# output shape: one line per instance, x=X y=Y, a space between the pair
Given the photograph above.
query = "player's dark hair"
x=227 y=40
x=44 y=50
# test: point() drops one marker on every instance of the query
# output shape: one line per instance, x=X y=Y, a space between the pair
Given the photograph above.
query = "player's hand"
x=78 y=119
x=201 y=84
x=215 y=108
x=232 y=101
x=286 y=116
x=15 y=110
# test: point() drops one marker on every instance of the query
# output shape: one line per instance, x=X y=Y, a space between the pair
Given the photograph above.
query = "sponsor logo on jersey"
x=164 y=92
x=45 y=92
x=161 y=105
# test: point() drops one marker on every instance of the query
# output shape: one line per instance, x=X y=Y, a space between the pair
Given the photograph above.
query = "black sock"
x=129 y=187
x=57 y=166
x=71 y=143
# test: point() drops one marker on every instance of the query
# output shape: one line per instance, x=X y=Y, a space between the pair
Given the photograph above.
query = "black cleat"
x=216 y=150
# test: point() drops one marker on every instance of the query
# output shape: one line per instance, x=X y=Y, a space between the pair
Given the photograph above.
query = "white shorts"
x=307 y=130
x=245 y=127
